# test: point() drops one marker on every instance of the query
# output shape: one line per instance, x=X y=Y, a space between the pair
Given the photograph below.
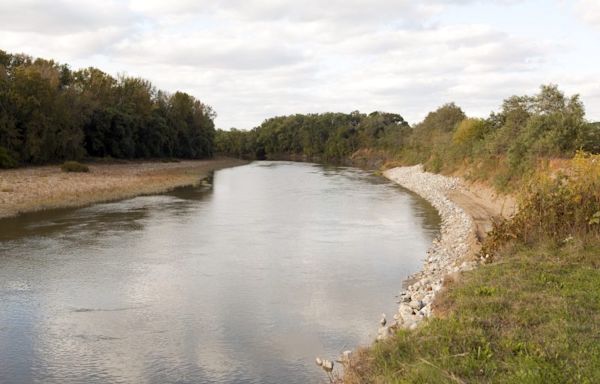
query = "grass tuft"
x=74 y=166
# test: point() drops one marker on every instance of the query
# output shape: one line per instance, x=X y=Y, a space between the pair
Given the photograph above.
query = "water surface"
x=244 y=282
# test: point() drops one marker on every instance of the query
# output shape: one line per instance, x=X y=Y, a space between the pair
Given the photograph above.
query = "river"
x=244 y=281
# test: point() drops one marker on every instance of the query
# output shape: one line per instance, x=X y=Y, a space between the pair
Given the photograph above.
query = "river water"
x=242 y=282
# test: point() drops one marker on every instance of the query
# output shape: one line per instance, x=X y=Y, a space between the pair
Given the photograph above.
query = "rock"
x=411 y=325
x=327 y=365
x=404 y=309
x=383 y=320
x=445 y=256
x=416 y=304
x=383 y=333
x=345 y=358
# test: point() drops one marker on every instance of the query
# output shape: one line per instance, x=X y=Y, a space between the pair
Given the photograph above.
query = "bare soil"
x=38 y=188
x=483 y=204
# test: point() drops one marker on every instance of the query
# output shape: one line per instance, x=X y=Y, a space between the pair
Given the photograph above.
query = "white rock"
x=346 y=355
x=383 y=333
x=416 y=304
x=445 y=254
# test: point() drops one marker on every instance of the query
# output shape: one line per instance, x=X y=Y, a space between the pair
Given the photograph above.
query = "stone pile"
x=447 y=254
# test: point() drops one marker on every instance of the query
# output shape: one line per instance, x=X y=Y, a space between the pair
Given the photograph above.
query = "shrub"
x=6 y=160
x=74 y=166
x=468 y=131
x=555 y=206
x=590 y=138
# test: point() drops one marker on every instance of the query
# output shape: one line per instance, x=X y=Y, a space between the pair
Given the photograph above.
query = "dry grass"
x=38 y=188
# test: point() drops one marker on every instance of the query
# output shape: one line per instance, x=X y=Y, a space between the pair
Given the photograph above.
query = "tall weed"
x=555 y=206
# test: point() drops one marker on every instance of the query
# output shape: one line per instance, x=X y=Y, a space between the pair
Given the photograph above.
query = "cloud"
x=62 y=16
x=220 y=49
x=251 y=59
x=344 y=11
x=70 y=46
x=589 y=10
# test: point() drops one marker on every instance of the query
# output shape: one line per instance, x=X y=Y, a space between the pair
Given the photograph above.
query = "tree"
x=50 y=113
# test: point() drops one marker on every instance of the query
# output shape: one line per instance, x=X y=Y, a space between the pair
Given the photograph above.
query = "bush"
x=468 y=131
x=590 y=138
x=74 y=166
x=6 y=160
x=555 y=206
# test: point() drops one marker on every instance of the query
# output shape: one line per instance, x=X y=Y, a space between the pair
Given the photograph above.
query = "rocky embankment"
x=450 y=253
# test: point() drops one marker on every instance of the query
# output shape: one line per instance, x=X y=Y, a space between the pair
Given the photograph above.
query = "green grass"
x=531 y=317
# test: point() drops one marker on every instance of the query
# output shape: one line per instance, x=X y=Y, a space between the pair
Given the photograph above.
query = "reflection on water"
x=244 y=282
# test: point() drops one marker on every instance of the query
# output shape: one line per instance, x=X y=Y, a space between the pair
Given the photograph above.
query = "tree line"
x=502 y=147
x=50 y=113
x=325 y=136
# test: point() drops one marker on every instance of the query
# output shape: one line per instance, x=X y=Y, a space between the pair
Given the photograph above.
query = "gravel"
x=447 y=255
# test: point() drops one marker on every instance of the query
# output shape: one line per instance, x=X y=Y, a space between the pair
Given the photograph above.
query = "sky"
x=255 y=59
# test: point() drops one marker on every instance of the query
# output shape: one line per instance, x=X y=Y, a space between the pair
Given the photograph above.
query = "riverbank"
x=39 y=188
x=466 y=215
x=530 y=313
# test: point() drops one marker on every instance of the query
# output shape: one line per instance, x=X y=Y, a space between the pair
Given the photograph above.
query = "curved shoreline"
x=453 y=251
x=39 y=188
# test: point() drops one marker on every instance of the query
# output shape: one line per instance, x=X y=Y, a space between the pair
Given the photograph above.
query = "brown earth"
x=38 y=188
x=483 y=204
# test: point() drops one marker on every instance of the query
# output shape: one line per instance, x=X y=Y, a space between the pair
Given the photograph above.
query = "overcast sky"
x=253 y=59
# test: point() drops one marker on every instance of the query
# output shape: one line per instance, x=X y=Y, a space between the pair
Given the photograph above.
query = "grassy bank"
x=531 y=317
x=37 y=188
x=531 y=314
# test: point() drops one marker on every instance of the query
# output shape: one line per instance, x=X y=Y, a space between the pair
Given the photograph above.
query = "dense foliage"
x=508 y=145
x=326 y=136
x=49 y=113
x=503 y=148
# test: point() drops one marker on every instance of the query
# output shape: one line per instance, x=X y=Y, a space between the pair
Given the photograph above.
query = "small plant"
x=486 y=291
x=74 y=166
x=6 y=160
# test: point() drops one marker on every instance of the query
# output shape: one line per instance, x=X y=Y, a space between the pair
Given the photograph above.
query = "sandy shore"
x=466 y=212
x=37 y=188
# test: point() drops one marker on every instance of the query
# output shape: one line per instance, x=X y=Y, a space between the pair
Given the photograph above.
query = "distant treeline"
x=503 y=147
x=326 y=136
x=49 y=113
